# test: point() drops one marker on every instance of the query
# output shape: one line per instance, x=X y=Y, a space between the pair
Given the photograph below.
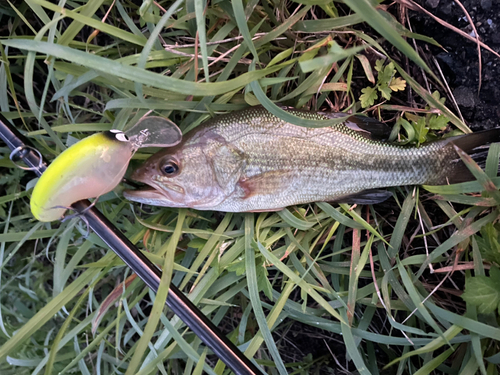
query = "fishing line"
x=140 y=264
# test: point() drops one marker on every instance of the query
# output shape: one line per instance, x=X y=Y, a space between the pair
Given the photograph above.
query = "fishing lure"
x=95 y=165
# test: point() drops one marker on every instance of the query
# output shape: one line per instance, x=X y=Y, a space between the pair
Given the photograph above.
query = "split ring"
x=20 y=152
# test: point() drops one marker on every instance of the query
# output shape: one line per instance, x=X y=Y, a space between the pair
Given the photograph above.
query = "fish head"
x=199 y=173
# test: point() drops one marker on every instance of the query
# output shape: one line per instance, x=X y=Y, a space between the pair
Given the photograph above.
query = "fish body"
x=251 y=160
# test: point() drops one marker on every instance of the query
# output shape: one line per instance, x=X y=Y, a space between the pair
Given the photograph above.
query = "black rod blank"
x=142 y=266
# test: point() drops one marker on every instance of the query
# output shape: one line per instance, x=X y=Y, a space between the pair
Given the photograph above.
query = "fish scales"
x=251 y=160
x=315 y=163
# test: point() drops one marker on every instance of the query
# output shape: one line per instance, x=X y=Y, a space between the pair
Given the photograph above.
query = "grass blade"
x=297 y=280
x=47 y=312
x=400 y=228
x=253 y=291
x=161 y=296
x=352 y=348
x=371 y=16
x=139 y=75
x=94 y=23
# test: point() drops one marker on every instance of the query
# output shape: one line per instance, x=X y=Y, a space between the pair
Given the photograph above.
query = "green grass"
x=361 y=277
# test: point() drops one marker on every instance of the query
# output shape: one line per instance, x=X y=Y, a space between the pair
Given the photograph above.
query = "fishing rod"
x=137 y=261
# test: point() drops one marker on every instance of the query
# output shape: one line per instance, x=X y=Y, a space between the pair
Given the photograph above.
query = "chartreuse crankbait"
x=95 y=165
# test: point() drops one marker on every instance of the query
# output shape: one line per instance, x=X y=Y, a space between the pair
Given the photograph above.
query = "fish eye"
x=170 y=168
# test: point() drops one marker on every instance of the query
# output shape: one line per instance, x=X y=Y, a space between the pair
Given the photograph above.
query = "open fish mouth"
x=145 y=194
x=154 y=195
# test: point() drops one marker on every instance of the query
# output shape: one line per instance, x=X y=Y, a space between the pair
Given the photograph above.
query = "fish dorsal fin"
x=367 y=126
x=377 y=130
x=371 y=196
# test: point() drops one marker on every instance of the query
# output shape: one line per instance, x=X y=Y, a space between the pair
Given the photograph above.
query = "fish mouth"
x=146 y=194
x=154 y=195
x=143 y=192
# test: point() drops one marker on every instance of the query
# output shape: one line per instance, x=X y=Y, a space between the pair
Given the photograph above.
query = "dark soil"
x=459 y=61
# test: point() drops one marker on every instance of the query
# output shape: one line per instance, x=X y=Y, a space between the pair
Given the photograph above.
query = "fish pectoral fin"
x=365 y=197
x=266 y=183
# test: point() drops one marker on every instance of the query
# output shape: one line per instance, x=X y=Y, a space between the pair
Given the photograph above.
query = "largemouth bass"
x=250 y=160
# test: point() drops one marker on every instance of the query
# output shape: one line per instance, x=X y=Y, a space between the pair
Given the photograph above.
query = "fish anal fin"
x=365 y=197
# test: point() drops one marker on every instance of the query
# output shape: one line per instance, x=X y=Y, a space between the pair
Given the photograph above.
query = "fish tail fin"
x=477 y=146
